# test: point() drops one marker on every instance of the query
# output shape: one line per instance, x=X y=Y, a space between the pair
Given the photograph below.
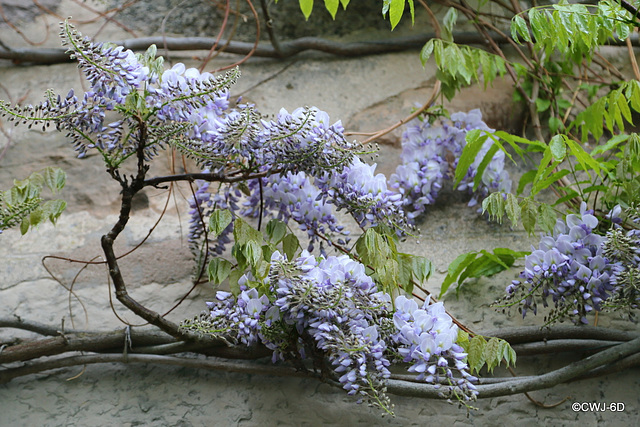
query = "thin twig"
x=434 y=95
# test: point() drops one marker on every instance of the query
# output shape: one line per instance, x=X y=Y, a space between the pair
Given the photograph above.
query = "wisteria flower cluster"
x=622 y=249
x=328 y=309
x=430 y=154
x=427 y=334
x=578 y=269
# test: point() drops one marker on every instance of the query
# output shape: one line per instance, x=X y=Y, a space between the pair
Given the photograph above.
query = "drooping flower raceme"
x=336 y=305
x=578 y=269
x=327 y=307
x=426 y=338
x=430 y=154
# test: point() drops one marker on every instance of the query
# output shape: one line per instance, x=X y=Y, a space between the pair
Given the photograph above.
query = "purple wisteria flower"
x=328 y=308
x=364 y=195
x=426 y=337
x=430 y=154
x=338 y=306
x=578 y=269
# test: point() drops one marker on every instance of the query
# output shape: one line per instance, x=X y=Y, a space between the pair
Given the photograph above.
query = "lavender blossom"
x=430 y=155
x=426 y=337
x=575 y=267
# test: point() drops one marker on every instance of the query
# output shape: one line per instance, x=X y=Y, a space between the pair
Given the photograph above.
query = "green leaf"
x=276 y=230
x=542 y=104
x=245 y=233
x=546 y=217
x=584 y=158
x=543 y=169
x=405 y=271
x=52 y=209
x=463 y=340
x=494 y=206
x=290 y=245
x=475 y=355
x=252 y=251
x=519 y=27
x=219 y=221
x=36 y=217
x=492 y=353
x=512 y=209
x=306 y=6
x=234 y=276
x=24 y=226
x=508 y=353
x=525 y=179
x=475 y=139
x=448 y=22
x=546 y=182
x=55 y=178
x=610 y=144
x=426 y=51
x=373 y=249
x=34 y=183
x=219 y=269
x=488 y=157
x=554 y=124
x=237 y=251
x=332 y=7
x=396 y=9
x=388 y=274
x=528 y=213
x=422 y=268
x=455 y=269
x=558 y=147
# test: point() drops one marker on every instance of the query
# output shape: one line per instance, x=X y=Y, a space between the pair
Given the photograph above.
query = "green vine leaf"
x=546 y=217
x=528 y=214
x=23 y=204
x=475 y=355
x=512 y=209
x=478 y=264
x=276 y=230
x=244 y=233
x=219 y=269
x=332 y=7
x=219 y=221
x=558 y=147
x=475 y=140
x=306 y=6
x=519 y=28
x=290 y=245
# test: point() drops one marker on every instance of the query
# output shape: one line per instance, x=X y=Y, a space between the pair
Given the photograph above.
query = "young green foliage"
x=391 y=269
x=478 y=264
x=459 y=66
x=573 y=30
x=23 y=205
x=482 y=352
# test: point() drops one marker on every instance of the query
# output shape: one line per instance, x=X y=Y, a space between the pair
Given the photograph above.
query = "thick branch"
x=287 y=49
x=560 y=346
x=136 y=341
x=17 y=322
x=247 y=368
x=82 y=341
x=539 y=382
x=211 y=177
x=527 y=334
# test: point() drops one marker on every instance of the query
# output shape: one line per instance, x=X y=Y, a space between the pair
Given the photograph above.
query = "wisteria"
x=329 y=308
x=427 y=338
x=579 y=269
x=430 y=154
x=297 y=167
